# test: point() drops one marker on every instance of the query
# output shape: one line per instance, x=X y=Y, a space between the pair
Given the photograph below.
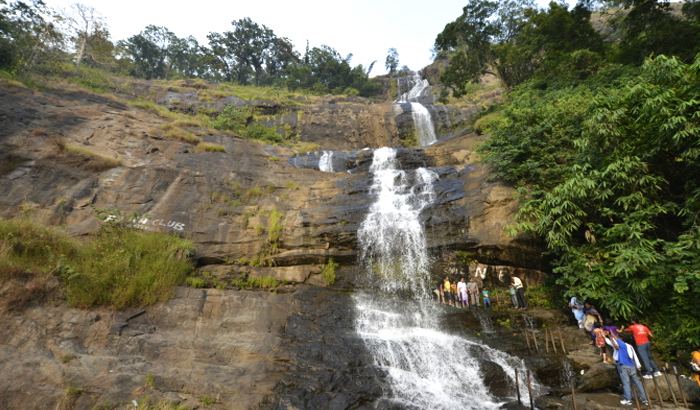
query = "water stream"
x=398 y=322
x=325 y=163
x=422 y=120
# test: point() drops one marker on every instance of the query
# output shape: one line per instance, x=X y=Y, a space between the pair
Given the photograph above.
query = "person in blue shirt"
x=487 y=297
x=627 y=366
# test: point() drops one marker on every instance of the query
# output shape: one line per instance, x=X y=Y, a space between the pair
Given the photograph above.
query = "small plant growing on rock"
x=504 y=323
x=210 y=147
x=328 y=272
x=264 y=282
x=207 y=400
x=67 y=358
x=149 y=381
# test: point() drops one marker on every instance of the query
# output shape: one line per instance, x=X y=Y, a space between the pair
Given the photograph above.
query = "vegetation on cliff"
x=605 y=150
x=34 y=38
x=119 y=266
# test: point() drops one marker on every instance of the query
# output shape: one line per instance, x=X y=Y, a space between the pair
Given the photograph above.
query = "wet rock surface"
x=332 y=368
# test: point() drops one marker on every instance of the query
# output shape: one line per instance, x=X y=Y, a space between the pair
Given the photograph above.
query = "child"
x=487 y=299
x=599 y=334
x=695 y=366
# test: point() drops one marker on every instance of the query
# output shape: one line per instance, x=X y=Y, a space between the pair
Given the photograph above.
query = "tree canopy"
x=517 y=41
x=248 y=53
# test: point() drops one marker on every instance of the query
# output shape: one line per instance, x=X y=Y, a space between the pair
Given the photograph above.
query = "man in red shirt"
x=641 y=336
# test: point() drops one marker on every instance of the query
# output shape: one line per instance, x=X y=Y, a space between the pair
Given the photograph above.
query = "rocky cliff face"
x=77 y=159
x=71 y=157
x=224 y=349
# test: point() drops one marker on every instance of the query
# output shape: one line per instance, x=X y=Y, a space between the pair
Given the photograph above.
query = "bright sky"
x=365 y=28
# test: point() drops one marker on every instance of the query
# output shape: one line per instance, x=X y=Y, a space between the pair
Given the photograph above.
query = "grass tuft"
x=328 y=272
x=264 y=282
x=210 y=147
x=93 y=159
x=120 y=267
x=171 y=131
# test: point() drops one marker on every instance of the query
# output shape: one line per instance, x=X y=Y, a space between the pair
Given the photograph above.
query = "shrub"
x=195 y=282
x=328 y=272
x=120 y=267
x=240 y=120
x=123 y=267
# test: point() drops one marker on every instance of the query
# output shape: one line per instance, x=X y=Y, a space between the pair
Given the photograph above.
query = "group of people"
x=461 y=294
x=607 y=337
x=467 y=294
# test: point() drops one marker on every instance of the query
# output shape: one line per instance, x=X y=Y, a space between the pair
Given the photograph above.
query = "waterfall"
x=398 y=322
x=423 y=123
x=325 y=164
x=391 y=237
x=422 y=120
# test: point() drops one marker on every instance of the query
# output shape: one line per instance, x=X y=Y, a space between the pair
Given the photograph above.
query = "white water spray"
x=325 y=164
x=426 y=367
x=420 y=114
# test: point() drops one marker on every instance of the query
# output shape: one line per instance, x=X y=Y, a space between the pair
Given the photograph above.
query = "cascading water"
x=325 y=163
x=426 y=367
x=420 y=114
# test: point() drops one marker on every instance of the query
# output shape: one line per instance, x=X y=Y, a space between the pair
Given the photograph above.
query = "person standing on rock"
x=627 y=366
x=513 y=296
x=591 y=317
x=473 y=290
x=439 y=292
x=519 y=291
x=487 y=298
x=641 y=335
x=462 y=289
x=455 y=294
x=447 y=289
x=577 y=310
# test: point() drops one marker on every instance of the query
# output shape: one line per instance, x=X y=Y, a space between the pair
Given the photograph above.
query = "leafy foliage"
x=34 y=37
x=391 y=63
x=517 y=42
x=612 y=181
x=241 y=121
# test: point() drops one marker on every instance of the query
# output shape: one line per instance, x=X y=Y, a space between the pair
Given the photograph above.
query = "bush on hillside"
x=119 y=267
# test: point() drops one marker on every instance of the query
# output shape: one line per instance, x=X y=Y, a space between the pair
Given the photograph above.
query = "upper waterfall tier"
x=422 y=120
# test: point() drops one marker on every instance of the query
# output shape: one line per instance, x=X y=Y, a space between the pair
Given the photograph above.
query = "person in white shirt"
x=519 y=291
x=462 y=291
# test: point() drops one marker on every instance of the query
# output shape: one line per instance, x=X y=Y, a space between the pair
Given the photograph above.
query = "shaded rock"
x=600 y=376
x=496 y=379
x=550 y=403
x=332 y=368
x=193 y=345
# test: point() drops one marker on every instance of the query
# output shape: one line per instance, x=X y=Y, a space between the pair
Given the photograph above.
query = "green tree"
x=221 y=61
x=148 y=52
x=617 y=198
x=515 y=41
x=392 y=61
x=186 y=57
x=28 y=35
x=650 y=27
